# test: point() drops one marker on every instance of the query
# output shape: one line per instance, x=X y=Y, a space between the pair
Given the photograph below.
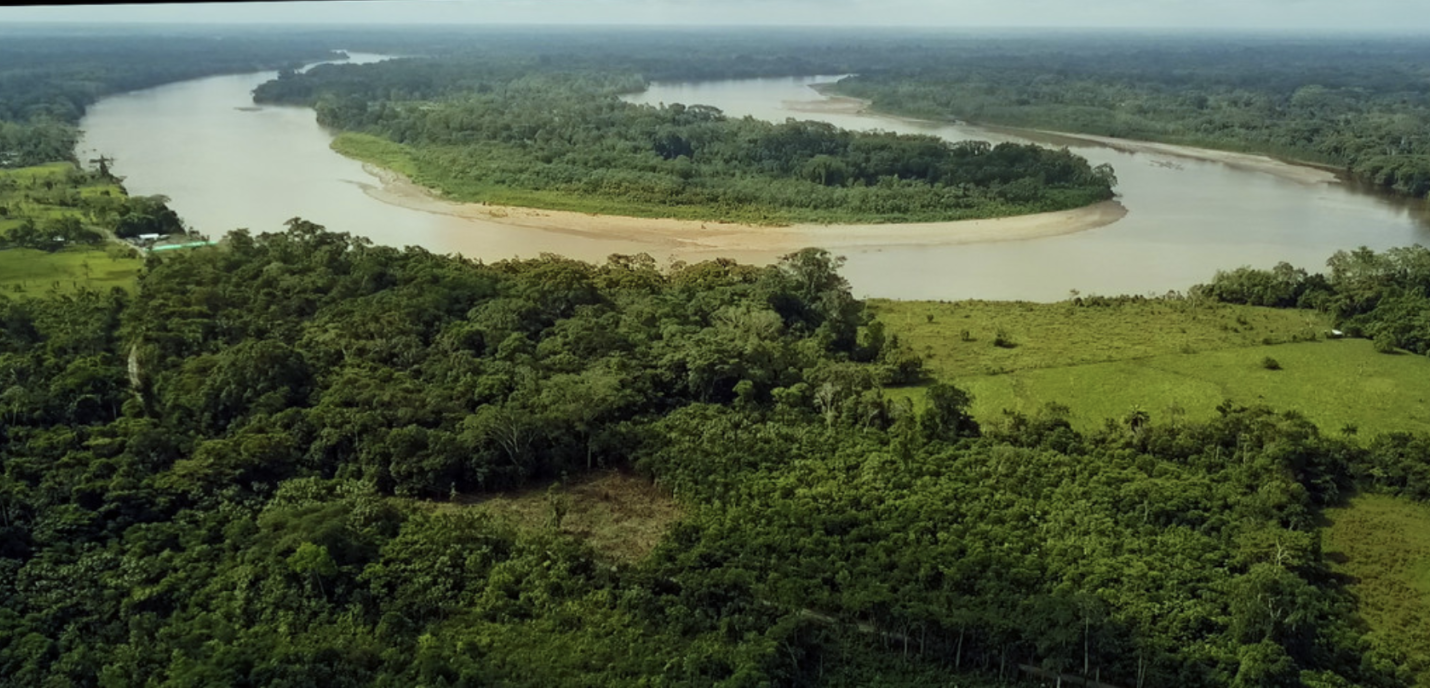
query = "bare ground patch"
x=620 y=514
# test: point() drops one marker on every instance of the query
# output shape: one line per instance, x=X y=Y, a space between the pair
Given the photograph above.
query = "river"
x=226 y=164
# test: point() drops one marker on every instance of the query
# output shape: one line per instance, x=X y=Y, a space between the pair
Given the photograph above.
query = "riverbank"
x=1294 y=171
x=692 y=237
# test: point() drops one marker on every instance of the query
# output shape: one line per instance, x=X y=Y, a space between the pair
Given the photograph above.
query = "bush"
x=1385 y=344
x=1270 y=363
x=1003 y=341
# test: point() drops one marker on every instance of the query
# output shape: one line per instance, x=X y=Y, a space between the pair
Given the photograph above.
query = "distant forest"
x=47 y=81
x=1362 y=106
x=1357 y=105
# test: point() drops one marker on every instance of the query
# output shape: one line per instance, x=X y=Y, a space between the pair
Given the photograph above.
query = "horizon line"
x=452 y=26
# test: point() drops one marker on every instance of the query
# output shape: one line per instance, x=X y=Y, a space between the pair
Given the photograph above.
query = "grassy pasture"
x=28 y=174
x=32 y=272
x=29 y=272
x=1382 y=544
x=1171 y=359
x=1332 y=383
x=23 y=194
x=1049 y=335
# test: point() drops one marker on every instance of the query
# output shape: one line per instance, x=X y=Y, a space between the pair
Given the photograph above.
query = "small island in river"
x=566 y=142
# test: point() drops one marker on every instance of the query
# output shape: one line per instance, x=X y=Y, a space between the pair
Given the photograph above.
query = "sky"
x=1398 y=16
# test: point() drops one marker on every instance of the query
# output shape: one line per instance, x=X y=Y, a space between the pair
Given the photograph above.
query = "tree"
x=808 y=292
x=315 y=562
x=948 y=416
x=147 y=215
x=1264 y=665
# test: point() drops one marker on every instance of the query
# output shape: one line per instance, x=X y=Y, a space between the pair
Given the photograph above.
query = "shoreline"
x=695 y=238
x=1304 y=173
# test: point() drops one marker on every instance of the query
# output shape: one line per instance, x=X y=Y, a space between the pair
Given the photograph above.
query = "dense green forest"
x=1359 y=105
x=519 y=131
x=228 y=478
x=264 y=465
x=47 y=80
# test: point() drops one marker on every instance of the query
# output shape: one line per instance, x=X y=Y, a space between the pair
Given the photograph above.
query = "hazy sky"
x=1259 y=15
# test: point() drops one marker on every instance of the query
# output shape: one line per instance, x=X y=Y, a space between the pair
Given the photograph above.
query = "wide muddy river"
x=226 y=164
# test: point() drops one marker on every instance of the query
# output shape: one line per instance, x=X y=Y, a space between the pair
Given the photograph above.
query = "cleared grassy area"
x=1333 y=383
x=101 y=190
x=1171 y=359
x=1047 y=335
x=25 y=195
x=26 y=271
x=37 y=171
x=377 y=150
x=620 y=515
x=1383 y=545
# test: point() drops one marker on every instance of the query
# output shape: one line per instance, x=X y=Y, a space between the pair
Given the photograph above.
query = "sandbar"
x=693 y=238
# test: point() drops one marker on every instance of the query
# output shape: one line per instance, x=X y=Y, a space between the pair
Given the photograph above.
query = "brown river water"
x=226 y=164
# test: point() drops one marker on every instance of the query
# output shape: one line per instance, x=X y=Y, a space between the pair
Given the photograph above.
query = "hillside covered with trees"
x=230 y=478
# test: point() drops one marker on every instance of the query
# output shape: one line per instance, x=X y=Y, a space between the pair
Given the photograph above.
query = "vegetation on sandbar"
x=516 y=134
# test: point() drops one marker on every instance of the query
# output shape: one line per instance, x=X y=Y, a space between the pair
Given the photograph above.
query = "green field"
x=1383 y=545
x=26 y=271
x=1172 y=359
x=23 y=192
x=37 y=193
